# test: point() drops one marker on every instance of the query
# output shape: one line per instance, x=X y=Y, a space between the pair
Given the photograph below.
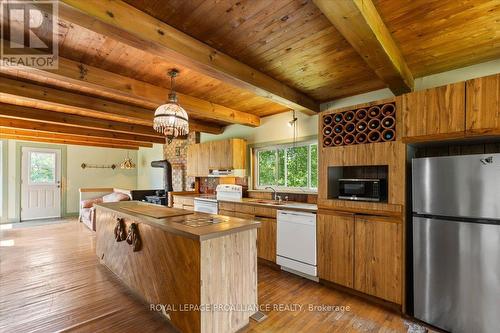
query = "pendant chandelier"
x=171 y=119
x=127 y=163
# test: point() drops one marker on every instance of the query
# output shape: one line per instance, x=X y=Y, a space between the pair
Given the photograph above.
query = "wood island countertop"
x=190 y=270
x=174 y=224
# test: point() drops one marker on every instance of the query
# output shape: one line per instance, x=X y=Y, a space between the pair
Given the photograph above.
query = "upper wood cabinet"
x=483 y=106
x=192 y=160
x=224 y=154
x=435 y=113
x=335 y=241
x=377 y=257
x=227 y=154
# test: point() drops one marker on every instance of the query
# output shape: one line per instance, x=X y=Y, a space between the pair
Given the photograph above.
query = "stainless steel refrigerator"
x=456 y=242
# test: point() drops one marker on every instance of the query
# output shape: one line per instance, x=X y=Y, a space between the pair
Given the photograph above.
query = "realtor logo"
x=29 y=33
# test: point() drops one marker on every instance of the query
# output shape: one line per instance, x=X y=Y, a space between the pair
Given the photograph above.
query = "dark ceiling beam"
x=71 y=138
x=361 y=25
x=122 y=22
x=66 y=142
x=50 y=117
x=75 y=76
x=105 y=136
x=37 y=96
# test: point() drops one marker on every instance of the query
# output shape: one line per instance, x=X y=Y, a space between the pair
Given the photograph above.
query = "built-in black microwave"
x=362 y=189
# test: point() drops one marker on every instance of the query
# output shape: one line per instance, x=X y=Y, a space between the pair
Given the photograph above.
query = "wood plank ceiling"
x=290 y=40
x=265 y=57
x=440 y=35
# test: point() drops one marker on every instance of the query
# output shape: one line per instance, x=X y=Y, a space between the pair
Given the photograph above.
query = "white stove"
x=229 y=192
x=208 y=203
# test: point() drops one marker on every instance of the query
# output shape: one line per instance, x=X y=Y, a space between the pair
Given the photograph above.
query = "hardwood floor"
x=51 y=280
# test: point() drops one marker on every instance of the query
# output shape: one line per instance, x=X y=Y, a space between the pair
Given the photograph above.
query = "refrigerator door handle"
x=487 y=160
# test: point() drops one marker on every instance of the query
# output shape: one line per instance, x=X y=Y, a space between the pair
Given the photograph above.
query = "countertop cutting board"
x=155 y=211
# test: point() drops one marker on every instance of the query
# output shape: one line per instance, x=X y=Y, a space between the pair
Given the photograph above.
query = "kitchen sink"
x=270 y=202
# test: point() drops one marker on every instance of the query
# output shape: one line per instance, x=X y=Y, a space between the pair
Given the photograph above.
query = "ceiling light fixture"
x=171 y=119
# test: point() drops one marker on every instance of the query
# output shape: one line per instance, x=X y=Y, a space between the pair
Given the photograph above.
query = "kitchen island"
x=200 y=270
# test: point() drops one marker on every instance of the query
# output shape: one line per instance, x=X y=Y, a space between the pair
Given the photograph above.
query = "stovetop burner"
x=194 y=221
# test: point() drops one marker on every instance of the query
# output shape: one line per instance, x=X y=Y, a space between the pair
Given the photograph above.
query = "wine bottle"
x=349 y=116
x=374 y=124
x=350 y=127
x=327 y=120
x=374 y=112
x=388 y=122
x=374 y=136
x=361 y=114
x=388 y=135
x=327 y=130
x=361 y=126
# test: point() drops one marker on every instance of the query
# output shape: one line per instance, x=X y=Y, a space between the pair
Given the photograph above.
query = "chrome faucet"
x=274 y=191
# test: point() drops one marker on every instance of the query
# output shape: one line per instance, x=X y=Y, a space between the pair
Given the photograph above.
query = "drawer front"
x=244 y=216
x=246 y=209
x=226 y=212
x=265 y=212
x=228 y=206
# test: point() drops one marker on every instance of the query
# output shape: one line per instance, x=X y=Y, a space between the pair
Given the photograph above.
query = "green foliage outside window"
x=42 y=167
x=267 y=167
x=314 y=166
x=288 y=166
x=297 y=162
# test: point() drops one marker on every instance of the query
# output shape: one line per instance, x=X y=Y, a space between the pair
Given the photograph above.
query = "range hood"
x=226 y=173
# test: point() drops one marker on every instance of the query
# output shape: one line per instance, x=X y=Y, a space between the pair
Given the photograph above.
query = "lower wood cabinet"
x=335 y=243
x=377 y=257
x=266 y=234
x=266 y=239
x=361 y=252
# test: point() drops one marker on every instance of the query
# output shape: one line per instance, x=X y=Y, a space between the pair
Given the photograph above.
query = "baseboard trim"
x=372 y=299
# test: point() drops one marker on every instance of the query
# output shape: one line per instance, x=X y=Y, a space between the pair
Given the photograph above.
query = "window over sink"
x=287 y=166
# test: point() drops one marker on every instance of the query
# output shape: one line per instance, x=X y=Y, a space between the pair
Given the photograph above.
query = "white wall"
x=148 y=177
x=78 y=177
x=274 y=128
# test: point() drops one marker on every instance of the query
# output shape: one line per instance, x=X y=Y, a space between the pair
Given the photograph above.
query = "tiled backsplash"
x=176 y=154
x=208 y=184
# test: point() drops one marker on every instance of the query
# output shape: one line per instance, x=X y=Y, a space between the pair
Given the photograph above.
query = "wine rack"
x=366 y=125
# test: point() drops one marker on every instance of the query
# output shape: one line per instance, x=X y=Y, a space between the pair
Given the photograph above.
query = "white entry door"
x=40 y=183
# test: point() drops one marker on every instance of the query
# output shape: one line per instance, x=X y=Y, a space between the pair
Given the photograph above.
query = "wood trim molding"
x=361 y=25
x=114 y=19
x=75 y=131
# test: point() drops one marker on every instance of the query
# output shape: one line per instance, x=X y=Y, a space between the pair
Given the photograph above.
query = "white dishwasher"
x=296 y=242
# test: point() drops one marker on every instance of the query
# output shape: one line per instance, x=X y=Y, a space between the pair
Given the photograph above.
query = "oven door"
x=359 y=189
x=204 y=206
